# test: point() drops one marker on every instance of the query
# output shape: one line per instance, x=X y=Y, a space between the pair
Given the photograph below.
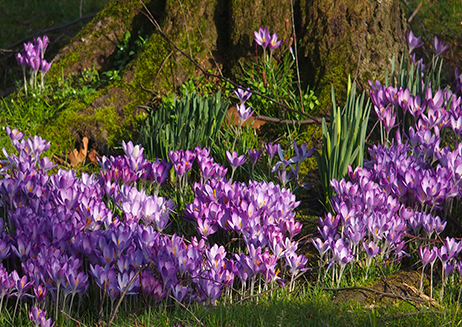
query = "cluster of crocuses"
x=407 y=187
x=264 y=39
x=33 y=56
x=284 y=168
x=62 y=234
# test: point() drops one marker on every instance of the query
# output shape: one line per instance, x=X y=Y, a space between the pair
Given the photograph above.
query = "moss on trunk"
x=342 y=37
x=336 y=38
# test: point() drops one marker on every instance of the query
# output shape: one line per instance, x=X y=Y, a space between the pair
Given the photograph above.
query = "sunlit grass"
x=22 y=18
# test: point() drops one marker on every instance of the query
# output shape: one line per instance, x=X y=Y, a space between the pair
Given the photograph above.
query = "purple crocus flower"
x=439 y=46
x=418 y=63
x=6 y=284
x=254 y=155
x=4 y=250
x=42 y=44
x=242 y=94
x=21 y=285
x=35 y=63
x=426 y=255
x=20 y=59
x=179 y=292
x=413 y=42
x=274 y=43
x=295 y=262
x=38 y=317
x=371 y=249
x=206 y=227
x=45 y=66
x=160 y=171
x=271 y=149
x=458 y=81
x=235 y=160
x=321 y=246
x=449 y=269
x=262 y=37
x=244 y=113
x=301 y=153
x=342 y=254
x=40 y=293
x=123 y=281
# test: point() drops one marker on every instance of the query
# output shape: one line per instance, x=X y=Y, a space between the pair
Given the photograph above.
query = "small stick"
x=100 y=312
x=296 y=56
x=141 y=268
x=73 y=319
x=256 y=295
x=414 y=13
x=190 y=312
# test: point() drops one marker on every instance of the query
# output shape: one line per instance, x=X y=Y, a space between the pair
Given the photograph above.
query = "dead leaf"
x=78 y=157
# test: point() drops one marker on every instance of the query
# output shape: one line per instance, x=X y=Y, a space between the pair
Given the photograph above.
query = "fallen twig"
x=256 y=295
x=73 y=319
x=162 y=65
x=423 y=27
x=140 y=269
x=414 y=13
x=192 y=314
x=383 y=294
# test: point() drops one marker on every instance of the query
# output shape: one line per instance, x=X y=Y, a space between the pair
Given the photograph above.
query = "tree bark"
x=335 y=38
x=347 y=37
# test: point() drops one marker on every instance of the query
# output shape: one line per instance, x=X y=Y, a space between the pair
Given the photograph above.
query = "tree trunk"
x=335 y=38
x=347 y=37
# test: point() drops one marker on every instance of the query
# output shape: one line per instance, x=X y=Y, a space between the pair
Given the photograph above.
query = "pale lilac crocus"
x=371 y=250
x=235 y=161
x=428 y=257
x=271 y=149
x=321 y=246
x=439 y=46
x=342 y=255
x=413 y=42
x=274 y=43
x=244 y=113
x=242 y=94
x=45 y=67
x=262 y=37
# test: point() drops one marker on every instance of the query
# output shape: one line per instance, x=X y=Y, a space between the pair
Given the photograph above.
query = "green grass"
x=34 y=113
x=22 y=18
x=306 y=307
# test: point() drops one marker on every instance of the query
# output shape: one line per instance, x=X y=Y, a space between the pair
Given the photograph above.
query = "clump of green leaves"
x=126 y=51
x=30 y=113
x=343 y=140
x=188 y=122
x=276 y=81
